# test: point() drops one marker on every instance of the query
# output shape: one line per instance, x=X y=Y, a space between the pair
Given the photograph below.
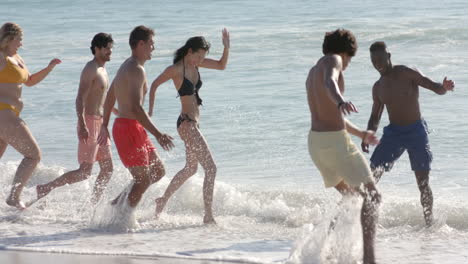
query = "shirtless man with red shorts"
x=135 y=149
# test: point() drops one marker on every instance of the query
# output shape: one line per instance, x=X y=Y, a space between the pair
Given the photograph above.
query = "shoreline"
x=11 y=256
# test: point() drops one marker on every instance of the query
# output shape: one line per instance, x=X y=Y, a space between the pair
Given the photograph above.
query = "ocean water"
x=270 y=203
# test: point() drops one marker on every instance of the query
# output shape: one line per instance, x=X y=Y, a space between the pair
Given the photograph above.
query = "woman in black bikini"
x=186 y=78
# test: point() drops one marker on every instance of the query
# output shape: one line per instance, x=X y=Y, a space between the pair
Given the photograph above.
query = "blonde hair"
x=7 y=33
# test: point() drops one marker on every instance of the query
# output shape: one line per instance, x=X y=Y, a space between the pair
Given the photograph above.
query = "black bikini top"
x=187 y=87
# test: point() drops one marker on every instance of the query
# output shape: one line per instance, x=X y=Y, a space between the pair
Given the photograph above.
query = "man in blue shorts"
x=398 y=90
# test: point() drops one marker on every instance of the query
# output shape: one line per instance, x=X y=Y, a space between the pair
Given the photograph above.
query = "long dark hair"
x=194 y=43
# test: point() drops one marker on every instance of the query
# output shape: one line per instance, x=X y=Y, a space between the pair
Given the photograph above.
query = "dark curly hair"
x=339 y=41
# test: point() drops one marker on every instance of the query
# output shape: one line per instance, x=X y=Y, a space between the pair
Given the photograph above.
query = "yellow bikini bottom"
x=4 y=106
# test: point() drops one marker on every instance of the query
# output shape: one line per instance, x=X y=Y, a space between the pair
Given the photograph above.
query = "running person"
x=129 y=88
x=398 y=90
x=13 y=129
x=338 y=159
x=186 y=78
x=94 y=83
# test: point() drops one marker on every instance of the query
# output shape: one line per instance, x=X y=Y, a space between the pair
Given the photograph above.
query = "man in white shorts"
x=339 y=160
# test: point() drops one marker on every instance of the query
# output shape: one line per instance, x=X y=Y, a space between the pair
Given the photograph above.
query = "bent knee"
x=210 y=168
x=191 y=169
x=35 y=155
x=213 y=169
x=144 y=182
x=108 y=168
x=160 y=172
x=374 y=197
x=157 y=173
x=86 y=168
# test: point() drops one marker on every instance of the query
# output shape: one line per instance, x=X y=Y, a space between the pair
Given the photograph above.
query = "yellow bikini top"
x=13 y=73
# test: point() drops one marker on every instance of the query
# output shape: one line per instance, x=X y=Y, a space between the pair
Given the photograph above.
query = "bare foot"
x=41 y=191
x=18 y=204
x=209 y=220
x=160 y=203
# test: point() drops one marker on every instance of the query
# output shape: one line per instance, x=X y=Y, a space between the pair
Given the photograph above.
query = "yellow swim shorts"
x=338 y=158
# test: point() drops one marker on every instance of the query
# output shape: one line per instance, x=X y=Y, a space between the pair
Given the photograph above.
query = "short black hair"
x=339 y=41
x=378 y=46
x=140 y=33
x=100 y=40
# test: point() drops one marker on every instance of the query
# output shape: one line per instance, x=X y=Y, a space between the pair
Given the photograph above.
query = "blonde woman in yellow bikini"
x=13 y=130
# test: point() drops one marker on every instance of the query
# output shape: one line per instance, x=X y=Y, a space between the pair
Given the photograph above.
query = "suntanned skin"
x=197 y=150
x=94 y=83
x=325 y=88
x=129 y=88
x=398 y=91
x=13 y=130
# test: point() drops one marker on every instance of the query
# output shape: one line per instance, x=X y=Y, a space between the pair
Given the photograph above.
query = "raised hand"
x=448 y=85
x=53 y=62
x=226 y=39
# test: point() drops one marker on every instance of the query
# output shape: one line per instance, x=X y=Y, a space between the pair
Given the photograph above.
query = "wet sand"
x=26 y=257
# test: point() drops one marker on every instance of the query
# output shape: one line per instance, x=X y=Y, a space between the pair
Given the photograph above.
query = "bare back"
x=325 y=115
x=399 y=92
x=94 y=99
x=129 y=72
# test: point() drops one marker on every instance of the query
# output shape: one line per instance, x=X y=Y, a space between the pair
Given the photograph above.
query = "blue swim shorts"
x=397 y=139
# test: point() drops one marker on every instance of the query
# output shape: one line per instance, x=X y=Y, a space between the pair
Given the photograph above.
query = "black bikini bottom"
x=184 y=117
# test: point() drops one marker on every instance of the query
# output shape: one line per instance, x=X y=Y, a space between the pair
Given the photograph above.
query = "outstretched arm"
x=333 y=68
x=40 y=75
x=367 y=136
x=426 y=82
x=222 y=62
x=162 y=78
x=376 y=115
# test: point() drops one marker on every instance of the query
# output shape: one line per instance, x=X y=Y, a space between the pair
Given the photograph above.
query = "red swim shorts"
x=132 y=142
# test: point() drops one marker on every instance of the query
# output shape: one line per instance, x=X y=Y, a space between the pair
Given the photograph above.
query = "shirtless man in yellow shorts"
x=94 y=83
x=340 y=162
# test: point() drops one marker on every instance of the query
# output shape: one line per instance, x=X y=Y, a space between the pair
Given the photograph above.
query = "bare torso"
x=324 y=112
x=95 y=99
x=122 y=88
x=400 y=94
x=10 y=93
